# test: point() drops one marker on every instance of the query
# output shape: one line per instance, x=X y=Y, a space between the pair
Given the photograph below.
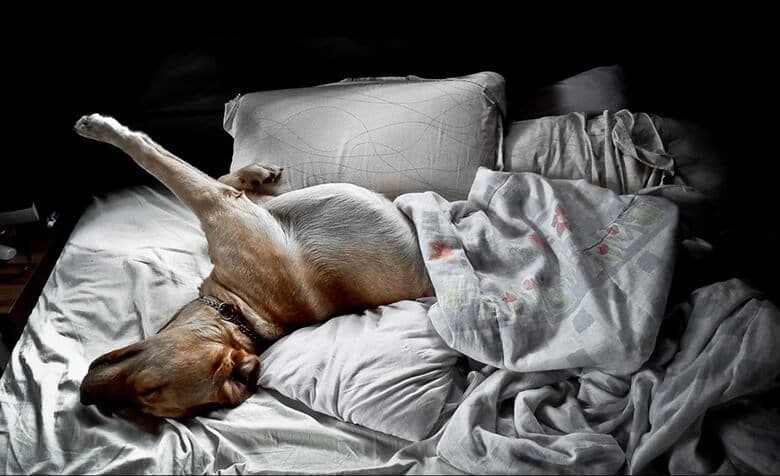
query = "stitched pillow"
x=385 y=369
x=391 y=135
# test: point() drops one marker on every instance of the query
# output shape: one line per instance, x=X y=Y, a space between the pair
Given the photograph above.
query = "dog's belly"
x=361 y=248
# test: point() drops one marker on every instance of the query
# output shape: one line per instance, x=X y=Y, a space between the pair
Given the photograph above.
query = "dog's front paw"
x=98 y=127
x=265 y=174
x=255 y=177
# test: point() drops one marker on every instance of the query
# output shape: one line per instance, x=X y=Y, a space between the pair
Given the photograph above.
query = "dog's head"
x=192 y=365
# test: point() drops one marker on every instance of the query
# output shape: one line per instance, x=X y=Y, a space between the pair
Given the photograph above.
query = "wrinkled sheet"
x=622 y=151
x=133 y=259
x=557 y=290
x=686 y=392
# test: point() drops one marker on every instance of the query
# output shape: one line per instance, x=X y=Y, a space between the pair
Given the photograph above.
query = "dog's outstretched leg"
x=217 y=205
x=226 y=215
x=193 y=187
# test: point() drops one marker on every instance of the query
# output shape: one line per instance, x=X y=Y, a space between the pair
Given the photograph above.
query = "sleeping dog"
x=281 y=261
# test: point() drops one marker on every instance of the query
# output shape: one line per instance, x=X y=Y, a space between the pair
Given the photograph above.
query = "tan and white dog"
x=280 y=262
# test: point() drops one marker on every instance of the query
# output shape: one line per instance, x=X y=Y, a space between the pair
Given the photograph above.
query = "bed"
x=563 y=337
x=85 y=310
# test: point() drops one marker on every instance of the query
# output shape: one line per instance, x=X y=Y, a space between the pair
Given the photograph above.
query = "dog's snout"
x=107 y=396
x=117 y=356
x=103 y=360
x=104 y=381
x=86 y=397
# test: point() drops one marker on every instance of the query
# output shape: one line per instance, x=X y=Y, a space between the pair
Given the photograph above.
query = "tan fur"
x=284 y=261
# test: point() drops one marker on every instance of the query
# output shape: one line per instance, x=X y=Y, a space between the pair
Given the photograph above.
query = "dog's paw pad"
x=261 y=173
x=274 y=174
x=83 y=125
x=96 y=126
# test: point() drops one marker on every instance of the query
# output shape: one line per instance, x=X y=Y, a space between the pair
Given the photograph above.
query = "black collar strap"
x=231 y=314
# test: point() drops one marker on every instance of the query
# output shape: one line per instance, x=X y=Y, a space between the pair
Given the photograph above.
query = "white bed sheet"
x=133 y=259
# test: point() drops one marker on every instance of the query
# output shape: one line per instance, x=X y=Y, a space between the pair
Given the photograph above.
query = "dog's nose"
x=86 y=398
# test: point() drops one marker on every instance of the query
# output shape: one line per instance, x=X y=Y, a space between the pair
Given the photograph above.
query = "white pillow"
x=386 y=369
x=390 y=135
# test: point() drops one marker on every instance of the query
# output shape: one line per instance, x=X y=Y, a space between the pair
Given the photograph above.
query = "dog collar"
x=230 y=313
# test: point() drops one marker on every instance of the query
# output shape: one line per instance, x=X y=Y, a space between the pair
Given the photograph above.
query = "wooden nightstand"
x=19 y=294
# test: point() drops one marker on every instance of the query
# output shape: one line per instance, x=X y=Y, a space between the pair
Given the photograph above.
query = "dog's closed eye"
x=150 y=393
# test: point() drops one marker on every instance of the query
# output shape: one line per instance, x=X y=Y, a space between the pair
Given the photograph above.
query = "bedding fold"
x=619 y=150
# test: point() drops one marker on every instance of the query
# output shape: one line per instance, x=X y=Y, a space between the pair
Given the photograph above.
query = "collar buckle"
x=230 y=313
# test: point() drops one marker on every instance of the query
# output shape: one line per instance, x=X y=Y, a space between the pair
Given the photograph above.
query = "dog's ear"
x=118 y=355
x=243 y=380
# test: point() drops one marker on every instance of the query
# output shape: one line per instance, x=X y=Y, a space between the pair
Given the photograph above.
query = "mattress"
x=135 y=257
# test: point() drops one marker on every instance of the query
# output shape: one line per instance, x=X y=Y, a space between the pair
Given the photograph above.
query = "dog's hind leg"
x=196 y=189
x=221 y=209
x=242 y=237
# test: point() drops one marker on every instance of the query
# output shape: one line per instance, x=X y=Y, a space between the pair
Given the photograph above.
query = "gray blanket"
x=559 y=288
x=622 y=151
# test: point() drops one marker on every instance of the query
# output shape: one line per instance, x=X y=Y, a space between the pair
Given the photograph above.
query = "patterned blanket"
x=559 y=289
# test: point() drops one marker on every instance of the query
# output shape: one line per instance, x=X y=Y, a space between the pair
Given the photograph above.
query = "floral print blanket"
x=556 y=290
x=534 y=274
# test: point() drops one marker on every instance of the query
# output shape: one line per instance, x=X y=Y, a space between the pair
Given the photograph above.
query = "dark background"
x=173 y=84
